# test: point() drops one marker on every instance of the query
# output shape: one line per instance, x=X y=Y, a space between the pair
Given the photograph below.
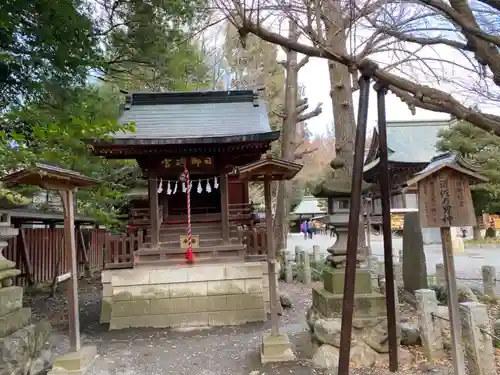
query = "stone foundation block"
x=106 y=306
x=244 y=271
x=253 y=286
x=204 y=273
x=11 y=299
x=225 y=287
x=276 y=349
x=130 y=308
x=188 y=289
x=334 y=281
x=365 y=305
x=136 y=276
x=168 y=275
x=245 y=301
x=74 y=363
x=14 y=321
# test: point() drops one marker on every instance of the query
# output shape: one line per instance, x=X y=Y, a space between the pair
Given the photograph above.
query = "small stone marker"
x=432 y=339
x=440 y=274
x=316 y=250
x=478 y=344
x=306 y=268
x=444 y=201
x=489 y=280
x=298 y=249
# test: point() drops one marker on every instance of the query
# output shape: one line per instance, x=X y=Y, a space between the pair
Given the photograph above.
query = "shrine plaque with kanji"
x=444 y=200
x=195 y=241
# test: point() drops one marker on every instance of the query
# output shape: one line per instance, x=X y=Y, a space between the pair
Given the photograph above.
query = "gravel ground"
x=222 y=351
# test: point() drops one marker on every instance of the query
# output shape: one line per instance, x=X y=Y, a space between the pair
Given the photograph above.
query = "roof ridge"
x=191 y=97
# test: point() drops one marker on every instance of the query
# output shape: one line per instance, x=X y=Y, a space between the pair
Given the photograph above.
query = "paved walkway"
x=467 y=264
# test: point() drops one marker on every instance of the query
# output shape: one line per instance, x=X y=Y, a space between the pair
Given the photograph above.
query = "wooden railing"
x=240 y=211
x=119 y=250
x=254 y=239
x=140 y=216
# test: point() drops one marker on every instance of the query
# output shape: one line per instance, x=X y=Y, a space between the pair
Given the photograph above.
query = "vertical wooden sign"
x=444 y=200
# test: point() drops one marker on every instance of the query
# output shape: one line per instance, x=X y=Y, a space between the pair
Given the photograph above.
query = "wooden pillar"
x=271 y=259
x=330 y=208
x=153 y=211
x=70 y=254
x=224 y=204
x=164 y=203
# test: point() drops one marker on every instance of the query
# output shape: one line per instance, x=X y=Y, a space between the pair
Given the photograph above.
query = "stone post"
x=298 y=249
x=306 y=268
x=288 y=270
x=414 y=267
x=430 y=332
x=398 y=274
x=478 y=345
x=316 y=253
x=440 y=274
x=380 y=269
x=489 y=280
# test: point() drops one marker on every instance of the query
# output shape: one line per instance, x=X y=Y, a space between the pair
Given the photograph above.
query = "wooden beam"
x=153 y=211
x=224 y=203
x=70 y=253
x=83 y=246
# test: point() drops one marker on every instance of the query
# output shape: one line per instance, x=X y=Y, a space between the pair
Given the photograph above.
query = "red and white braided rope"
x=188 y=195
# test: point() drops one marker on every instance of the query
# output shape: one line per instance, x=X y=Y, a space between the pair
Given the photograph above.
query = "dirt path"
x=223 y=351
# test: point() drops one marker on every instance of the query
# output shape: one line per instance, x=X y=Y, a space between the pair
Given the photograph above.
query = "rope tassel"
x=189 y=253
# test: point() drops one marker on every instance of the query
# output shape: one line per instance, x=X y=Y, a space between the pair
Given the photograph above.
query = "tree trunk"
x=287 y=140
x=342 y=101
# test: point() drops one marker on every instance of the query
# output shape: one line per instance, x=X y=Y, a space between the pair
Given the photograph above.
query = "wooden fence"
x=36 y=252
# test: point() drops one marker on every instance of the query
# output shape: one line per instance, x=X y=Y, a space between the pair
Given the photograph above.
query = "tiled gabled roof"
x=409 y=142
x=194 y=115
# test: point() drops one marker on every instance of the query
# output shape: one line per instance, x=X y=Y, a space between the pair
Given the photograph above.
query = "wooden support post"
x=83 y=246
x=153 y=211
x=70 y=253
x=271 y=259
x=23 y=253
x=224 y=204
x=385 y=196
x=352 y=235
x=453 y=306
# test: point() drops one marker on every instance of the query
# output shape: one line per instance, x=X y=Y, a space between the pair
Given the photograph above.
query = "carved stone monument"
x=23 y=348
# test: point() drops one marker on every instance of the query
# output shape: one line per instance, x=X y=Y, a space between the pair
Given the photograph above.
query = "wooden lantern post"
x=66 y=182
x=444 y=201
x=275 y=346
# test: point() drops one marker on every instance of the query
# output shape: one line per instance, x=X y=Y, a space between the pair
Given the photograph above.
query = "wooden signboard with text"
x=191 y=162
x=444 y=200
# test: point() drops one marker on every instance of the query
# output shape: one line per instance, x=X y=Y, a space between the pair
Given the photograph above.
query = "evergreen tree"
x=482 y=149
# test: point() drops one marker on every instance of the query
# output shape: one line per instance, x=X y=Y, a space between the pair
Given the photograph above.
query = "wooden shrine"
x=210 y=133
x=193 y=268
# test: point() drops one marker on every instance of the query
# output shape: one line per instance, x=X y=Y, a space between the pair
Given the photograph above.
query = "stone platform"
x=185 y=296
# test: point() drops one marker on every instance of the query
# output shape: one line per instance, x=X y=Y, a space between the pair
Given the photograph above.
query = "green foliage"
x=482 y=149
x=59 y=131
x=155 y=52
x=43 y=41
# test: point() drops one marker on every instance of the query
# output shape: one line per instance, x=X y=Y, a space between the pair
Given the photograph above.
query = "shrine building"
x=191 y=139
